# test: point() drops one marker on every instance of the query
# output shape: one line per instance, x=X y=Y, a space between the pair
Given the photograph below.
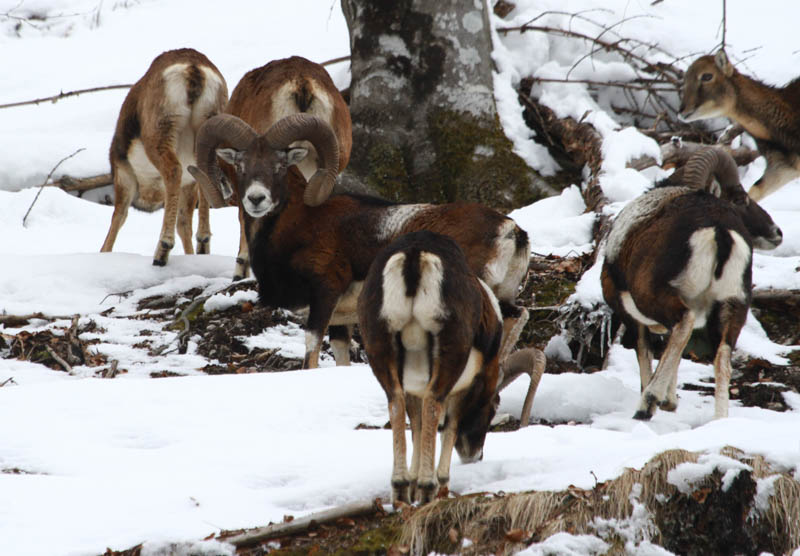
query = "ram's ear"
x=296 y=155
x=231 y=156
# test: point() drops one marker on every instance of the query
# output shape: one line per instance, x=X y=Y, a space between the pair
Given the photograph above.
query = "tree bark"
x=425 y=125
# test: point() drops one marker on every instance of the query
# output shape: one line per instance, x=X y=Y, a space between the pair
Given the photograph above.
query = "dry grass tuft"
x=505 y=524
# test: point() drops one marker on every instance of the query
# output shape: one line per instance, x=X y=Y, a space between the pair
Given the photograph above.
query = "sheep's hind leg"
x=203 y=226
x=401 y=480
x=657 y=391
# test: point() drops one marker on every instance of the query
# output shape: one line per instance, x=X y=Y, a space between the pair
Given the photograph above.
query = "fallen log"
x=17 y=321
x=299 y=525
x=786 y=296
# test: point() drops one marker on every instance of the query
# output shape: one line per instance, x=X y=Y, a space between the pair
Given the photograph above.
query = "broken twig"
x=47 y=179
x=58 y=359
x=112 y=370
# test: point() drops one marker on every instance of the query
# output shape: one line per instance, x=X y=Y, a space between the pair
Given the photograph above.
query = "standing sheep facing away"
x=154 y=143
x=432 y=330
x=712 y=88
x=679 y=258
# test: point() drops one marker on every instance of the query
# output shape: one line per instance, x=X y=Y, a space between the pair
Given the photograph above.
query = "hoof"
x=426 y=492
x=647 y=408
x=642 y=415
x=668 y=405
x=237 y=277
x=162 y=253
x=203 y=246
x=400 y=493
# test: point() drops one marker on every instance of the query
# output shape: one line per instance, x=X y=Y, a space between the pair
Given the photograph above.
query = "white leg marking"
x=722 y=379
x=416 y=373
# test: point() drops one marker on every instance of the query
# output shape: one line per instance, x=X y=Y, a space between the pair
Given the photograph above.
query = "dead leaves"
x=59 y=348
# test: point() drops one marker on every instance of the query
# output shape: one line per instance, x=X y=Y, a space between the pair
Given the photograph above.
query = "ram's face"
x=261 y=175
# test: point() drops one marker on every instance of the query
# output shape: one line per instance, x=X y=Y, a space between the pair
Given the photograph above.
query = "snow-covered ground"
x=112 y=463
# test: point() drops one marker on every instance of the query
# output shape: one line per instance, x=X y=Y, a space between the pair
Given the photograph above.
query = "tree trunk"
x=425 y=125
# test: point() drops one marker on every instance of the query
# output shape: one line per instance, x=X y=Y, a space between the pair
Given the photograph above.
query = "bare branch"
x=621 y=84
x=57 y=358
x=59 y=96
x=47 y=179
x=669 y=73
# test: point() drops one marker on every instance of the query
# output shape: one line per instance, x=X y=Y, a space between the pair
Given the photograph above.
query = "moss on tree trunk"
x=425 y=125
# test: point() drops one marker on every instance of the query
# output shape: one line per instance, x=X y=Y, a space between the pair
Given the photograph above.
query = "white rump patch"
x=636 y=212
x=428 y=308
x=284 y=105
x=395 y=219
x=396 y=307
x=697 y=284
x=414 y=317
x=425 y=309
x=175 y=98
x=697 y=275
x=213 y=87
x=729 y=284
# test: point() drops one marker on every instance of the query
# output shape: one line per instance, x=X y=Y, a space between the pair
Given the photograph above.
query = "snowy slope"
x=112 y=463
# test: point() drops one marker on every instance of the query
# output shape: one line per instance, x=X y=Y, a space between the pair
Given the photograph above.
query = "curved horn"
x=708 y=161
x=212 y=193
x=219 y=129
x=317 y=131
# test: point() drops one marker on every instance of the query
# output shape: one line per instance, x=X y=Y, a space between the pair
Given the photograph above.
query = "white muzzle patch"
x=257 y=200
